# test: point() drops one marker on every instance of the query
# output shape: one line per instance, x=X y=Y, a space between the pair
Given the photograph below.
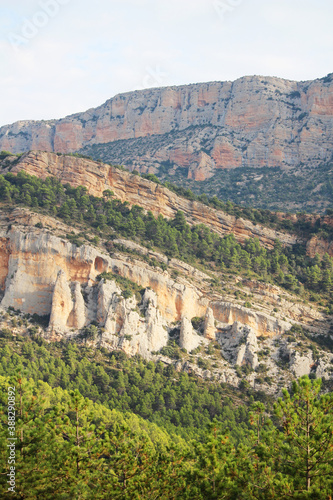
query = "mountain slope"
x=198 y=131
x=111 y=274
x=98 y=177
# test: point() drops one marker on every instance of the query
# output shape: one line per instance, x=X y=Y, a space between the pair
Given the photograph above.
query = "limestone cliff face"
x=98 y=177
x=254 y=122
x=188 y=339
x=47 y=275
x=42 y=273
x=317 y=246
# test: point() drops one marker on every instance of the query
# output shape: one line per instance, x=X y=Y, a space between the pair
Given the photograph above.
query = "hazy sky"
x=63 y=56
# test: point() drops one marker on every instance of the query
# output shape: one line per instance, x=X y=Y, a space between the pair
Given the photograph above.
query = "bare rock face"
x=125 y=329
x=317 y=246
x=322 y=370
x=62 y=303
x=209 y=328
x=239 y=345
x=98 y=177
x=156 y=328
x=35 y=258
x=189 y=340
x=253 y=122
x=77 y=318
x=68 y=308
x=201 y=169
x=247 y=353
x=301 y=365
x=261 y=323
x=107 y=302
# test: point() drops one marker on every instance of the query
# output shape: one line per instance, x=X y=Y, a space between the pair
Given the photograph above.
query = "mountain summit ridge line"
x=252 y=122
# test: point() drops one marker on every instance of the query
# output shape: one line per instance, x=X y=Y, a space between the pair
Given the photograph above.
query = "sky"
x=59 y=57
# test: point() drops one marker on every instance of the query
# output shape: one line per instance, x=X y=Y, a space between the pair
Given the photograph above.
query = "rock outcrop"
x=252 y=122
x=300 y=365
x=227 y=313
x=209 y=326
x=318 y=246
x=44 y=274
x=47 y=275
x=188 y=340
x=98 y=177
x=239 y=345
x=62 y=303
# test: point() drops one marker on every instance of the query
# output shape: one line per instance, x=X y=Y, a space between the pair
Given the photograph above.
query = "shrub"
x=5 y=333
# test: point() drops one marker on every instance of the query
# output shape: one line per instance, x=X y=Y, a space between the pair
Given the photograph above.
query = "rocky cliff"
x=251 y=122
x=98 y=177
x=43 y=273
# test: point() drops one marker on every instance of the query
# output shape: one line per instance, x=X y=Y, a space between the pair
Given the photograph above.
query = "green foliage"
x=151 y=177
x=198 y=323
x=5 y=333
x=128 y=287
x=292 y=460
x=89 y=332
x=172 y=350
x=4 y=154
x=307 y=421
x=180 y=403
x=288 y=267
x=68 y=446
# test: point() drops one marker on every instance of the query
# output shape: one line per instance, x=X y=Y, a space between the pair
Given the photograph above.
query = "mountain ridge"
x=247 y=108
x=98 y=177
x=258 y=141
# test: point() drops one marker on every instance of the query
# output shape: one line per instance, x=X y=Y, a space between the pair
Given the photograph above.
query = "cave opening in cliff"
x=100 y=264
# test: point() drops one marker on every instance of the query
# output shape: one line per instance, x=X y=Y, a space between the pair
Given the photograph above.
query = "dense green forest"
x=96 y=424
x=177 y=402
x=109 y=218
x=63 y=446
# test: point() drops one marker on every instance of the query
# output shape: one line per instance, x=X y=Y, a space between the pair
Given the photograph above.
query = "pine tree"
x=307 y=422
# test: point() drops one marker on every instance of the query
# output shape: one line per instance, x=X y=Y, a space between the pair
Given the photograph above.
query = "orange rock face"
x=4 y=258
x=252 y=122
x=320 y=247
x=98 y=177
x=226 y=155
